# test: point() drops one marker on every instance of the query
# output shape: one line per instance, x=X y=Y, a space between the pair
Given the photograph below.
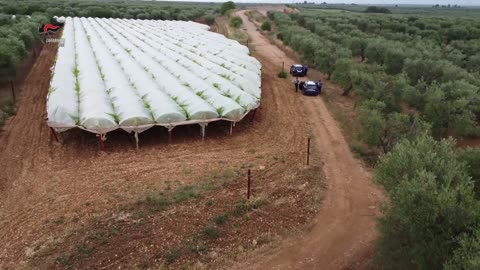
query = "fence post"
x=13 y=92
x=283 y=66
x=308 y=151
x=249 y=184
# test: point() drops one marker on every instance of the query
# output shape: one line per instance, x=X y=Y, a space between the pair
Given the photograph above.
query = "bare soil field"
x=71 y=206
x=183 y=204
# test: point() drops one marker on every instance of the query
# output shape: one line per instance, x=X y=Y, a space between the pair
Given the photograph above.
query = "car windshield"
x=310 y=85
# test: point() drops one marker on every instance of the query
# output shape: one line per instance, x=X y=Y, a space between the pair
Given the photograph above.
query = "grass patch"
x=59 y=221
x=155 y=202
x=211 y=232
x=173 y=254
x=221 y=219
x=64 y=260
x=283 y=74
x=244 y=206
x=103 y=236
x=194 y=246
x=185 y=193
x=209 y=202
x=83 y=249
x=160 y=201
x=221 y=176
x=209 y=186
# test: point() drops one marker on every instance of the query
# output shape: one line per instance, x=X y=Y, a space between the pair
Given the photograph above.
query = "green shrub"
x=282 y=74
x=210 y=19
x=236 y=22
x=266 y=26
x=221 y=219
x=8 y=107
x=211 y=232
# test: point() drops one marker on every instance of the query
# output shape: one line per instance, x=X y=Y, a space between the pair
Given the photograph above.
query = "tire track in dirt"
x=344 y=232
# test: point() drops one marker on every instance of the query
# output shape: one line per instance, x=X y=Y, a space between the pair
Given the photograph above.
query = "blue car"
x=298 y=70
x=310 y=88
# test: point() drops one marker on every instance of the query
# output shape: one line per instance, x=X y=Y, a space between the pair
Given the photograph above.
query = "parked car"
x=310 y=88
x=298 y=70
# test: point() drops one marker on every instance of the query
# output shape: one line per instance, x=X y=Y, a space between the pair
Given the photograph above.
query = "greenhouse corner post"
x=203 y=128
x=102 y=143
x=136 y=139
x=232 y=128
x=170 y=135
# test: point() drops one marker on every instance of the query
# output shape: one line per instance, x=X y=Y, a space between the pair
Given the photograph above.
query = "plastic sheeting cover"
x=134 y=74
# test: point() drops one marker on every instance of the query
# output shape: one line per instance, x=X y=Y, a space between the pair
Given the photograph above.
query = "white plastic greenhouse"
x=135 y=74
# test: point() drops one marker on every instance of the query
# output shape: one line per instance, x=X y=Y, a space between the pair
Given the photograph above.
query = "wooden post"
x=13 y=92
x=249 y=184
x=283 y=66
x=308 y=151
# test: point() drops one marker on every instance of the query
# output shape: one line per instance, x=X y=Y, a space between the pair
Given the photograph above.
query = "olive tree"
x=358 y=46
x=226 y=7
x=453 y=106
x=431 y=205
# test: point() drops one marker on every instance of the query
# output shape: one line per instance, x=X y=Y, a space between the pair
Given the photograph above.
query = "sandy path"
x=344 y=232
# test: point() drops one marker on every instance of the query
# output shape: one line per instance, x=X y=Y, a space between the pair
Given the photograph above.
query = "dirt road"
x=343 y=234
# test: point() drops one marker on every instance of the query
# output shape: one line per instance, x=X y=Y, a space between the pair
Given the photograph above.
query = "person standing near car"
x=296 y=82
x=305 y=67
x=320 y=85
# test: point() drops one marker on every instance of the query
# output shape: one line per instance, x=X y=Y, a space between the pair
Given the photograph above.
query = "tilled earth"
x=69 y=205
